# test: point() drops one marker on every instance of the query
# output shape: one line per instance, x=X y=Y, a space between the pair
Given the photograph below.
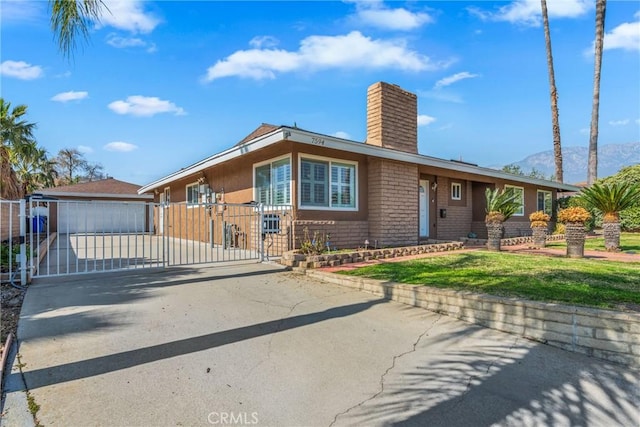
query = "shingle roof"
x=103 y=186
x=263 y=129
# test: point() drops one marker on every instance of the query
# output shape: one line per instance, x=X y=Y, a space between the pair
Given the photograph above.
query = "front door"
x=424 y=208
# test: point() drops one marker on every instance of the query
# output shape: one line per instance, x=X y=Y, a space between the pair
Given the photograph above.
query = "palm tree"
x=501 y=205
x=34 y=169
x=592 y=170
x=72 y=18
x=16 y=135
x=610 y=199
x=555 y=121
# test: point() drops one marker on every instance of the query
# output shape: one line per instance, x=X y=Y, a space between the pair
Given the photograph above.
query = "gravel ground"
x=10 y=305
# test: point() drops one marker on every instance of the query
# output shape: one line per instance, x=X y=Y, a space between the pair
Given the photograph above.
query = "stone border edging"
x=294 y=259
x=605 y=334
x=511 y=241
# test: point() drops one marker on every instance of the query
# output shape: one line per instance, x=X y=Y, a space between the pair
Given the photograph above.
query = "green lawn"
x=628 y=242
x=594 y=283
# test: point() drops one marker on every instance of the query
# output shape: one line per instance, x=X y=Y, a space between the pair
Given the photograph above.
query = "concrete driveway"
x=253 y=345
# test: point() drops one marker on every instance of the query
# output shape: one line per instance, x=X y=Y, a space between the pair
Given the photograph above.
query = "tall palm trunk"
x=592 y=170
x=555 y=121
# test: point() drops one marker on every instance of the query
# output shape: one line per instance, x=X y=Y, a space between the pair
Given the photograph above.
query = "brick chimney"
x=392 y=117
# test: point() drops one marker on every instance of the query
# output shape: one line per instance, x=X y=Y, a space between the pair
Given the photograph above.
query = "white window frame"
x=546 y=209
x=191 y=204
x=455 y=185
x=330 y=161
x=515 y=187
x=268 y=162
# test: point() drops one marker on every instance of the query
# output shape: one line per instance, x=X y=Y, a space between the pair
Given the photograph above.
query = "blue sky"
x=161 y=85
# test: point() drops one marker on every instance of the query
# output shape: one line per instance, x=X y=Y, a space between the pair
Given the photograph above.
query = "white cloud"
x=352 y=51
x=638 y=121
x=440 y=95
x=376 y=14
x=449 y=80
x=145 y=106
x=622 y=122
x=128 y=15
x=120 y=146
x=130 y=42
x=446 y=127
x=21 y=70
x=585 y=131
x=85 y=149
x=625 y=36
x=424 y=120
x=528 y=12
x=70 y=96
x=259 y=42
x=122 y=42
x=341 y=134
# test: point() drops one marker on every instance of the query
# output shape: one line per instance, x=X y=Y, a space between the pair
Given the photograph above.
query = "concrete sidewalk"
x=255 y=345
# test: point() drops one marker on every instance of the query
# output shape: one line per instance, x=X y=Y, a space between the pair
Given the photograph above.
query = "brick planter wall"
x=609 y=335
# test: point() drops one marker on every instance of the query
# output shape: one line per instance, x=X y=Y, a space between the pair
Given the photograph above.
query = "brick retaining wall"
x=609 y=335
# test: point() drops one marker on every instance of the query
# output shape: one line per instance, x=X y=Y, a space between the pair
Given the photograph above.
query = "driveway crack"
x=273 y=334
x=389 y=369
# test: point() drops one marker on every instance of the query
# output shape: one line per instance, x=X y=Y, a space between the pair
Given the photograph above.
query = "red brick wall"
x=9 y=220
x=459 y=213
x=392 y=117
x=344 y=234
x=393 y=203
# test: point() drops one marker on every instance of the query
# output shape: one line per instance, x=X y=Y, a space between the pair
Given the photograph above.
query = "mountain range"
x=611 y=158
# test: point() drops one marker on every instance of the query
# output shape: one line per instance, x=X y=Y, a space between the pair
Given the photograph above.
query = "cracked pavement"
x=189 y=346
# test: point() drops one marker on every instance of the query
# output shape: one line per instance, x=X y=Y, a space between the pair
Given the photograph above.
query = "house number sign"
x=317 y=141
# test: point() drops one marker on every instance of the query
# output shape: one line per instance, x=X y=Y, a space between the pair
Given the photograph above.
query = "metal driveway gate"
x=75 y=237
x=195 y=233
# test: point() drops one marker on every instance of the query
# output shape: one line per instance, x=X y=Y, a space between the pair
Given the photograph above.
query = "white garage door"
x=101 y=217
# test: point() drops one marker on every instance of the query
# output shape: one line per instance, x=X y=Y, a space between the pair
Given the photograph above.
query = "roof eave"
x=327 y=141
x=97 y=195
x=229 y=154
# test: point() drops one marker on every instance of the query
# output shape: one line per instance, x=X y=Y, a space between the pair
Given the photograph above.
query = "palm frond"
x=501 y=201
x=71 y=19
x=611 y=198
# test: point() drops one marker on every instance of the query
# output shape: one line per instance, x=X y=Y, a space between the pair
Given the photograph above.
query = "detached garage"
x=104 y=206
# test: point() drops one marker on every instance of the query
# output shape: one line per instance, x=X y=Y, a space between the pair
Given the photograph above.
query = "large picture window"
x=519 y=192
x=545 y=201
x=273 y=182
x=327 y=184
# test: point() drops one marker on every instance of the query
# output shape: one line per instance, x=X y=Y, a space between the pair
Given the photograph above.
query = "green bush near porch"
x=587 y=282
